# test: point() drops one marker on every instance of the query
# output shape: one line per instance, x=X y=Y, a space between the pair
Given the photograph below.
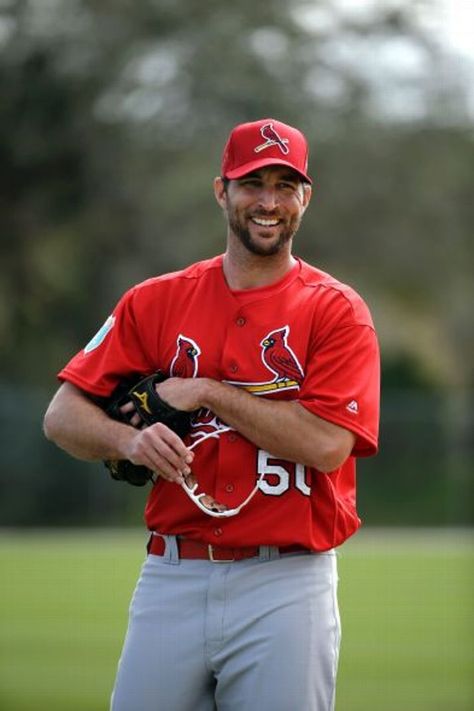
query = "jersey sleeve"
x=342 y=379
x=115 y=352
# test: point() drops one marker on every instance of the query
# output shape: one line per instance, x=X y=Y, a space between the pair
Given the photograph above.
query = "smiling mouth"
x=262 y=222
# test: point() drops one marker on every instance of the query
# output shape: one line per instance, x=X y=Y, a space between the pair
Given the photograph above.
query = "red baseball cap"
x=255 y=145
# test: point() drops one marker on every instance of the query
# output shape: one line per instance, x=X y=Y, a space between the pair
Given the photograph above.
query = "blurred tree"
x=113 y=115
x=112 y=120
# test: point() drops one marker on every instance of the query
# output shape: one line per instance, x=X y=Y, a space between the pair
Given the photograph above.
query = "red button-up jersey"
x=307 y=338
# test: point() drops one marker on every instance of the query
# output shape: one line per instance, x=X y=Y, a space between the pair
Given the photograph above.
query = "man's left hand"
x=183 y=393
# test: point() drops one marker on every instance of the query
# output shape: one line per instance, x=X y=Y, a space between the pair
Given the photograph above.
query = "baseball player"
x=236 y=608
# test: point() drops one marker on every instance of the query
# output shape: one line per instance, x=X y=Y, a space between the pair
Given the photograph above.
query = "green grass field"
x=406 y=605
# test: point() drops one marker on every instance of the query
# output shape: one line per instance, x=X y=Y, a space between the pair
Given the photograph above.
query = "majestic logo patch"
x=185 y=362
x=272 y=139
x=100 y=335
x=353 y=407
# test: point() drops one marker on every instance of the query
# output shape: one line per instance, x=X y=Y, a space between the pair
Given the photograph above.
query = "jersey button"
x=233 y=367
x=241 y=321
x=232 y=437
x=229 y=488
x=218 y=531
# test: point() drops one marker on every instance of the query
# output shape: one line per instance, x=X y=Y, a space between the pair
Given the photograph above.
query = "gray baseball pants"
x=261 y=633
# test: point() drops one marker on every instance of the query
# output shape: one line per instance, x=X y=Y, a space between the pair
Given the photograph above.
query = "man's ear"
x=307 y=192
x=220 y=192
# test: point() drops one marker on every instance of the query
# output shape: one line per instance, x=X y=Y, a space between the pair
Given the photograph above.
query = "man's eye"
x=287 y=186
x=251 y=183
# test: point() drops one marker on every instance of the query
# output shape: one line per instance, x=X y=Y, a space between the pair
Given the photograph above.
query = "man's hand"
x=161 y=450
x=135 y=401
x=183 y=393
x=75 y=423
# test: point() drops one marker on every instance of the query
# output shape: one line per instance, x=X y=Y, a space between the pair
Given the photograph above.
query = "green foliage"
x=112 y=122
x=405 y=373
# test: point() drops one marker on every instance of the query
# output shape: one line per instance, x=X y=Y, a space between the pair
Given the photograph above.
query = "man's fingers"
x=135 y=420
x=166 y=439
x=161 y=450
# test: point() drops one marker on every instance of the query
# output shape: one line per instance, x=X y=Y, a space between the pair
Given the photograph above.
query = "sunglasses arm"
x=196 y=498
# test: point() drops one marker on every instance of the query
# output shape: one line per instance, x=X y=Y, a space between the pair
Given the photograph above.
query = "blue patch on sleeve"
x=100 y=335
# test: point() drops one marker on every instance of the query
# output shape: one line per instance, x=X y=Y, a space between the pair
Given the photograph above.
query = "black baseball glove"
x=151 y=408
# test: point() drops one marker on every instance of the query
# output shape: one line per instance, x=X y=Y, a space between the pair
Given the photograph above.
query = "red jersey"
x=306 y=337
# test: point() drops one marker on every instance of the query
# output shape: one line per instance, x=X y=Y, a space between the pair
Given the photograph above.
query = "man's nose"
x=268 y=198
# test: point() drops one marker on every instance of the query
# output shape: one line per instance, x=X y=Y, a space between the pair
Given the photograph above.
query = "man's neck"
x=249 y=271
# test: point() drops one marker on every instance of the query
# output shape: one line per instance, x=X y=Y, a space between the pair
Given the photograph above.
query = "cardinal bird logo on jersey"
x=272 y=139
x=185 y=362
x=279 y=358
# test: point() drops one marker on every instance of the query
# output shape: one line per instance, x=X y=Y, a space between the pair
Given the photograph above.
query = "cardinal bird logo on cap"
x=279 y=358
x=185 y=362
x=272 y=139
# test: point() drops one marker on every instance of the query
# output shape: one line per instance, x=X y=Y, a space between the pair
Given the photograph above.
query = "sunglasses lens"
x=210 y=503
x=189 y=481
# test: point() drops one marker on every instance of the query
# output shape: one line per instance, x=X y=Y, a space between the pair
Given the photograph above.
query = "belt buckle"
x=210 y=552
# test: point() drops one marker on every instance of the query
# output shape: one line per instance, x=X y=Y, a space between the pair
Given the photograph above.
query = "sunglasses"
x=205 y=502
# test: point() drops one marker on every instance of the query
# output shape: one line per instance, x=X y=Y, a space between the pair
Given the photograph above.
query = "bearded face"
x=264 y=209
x=262 y=233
